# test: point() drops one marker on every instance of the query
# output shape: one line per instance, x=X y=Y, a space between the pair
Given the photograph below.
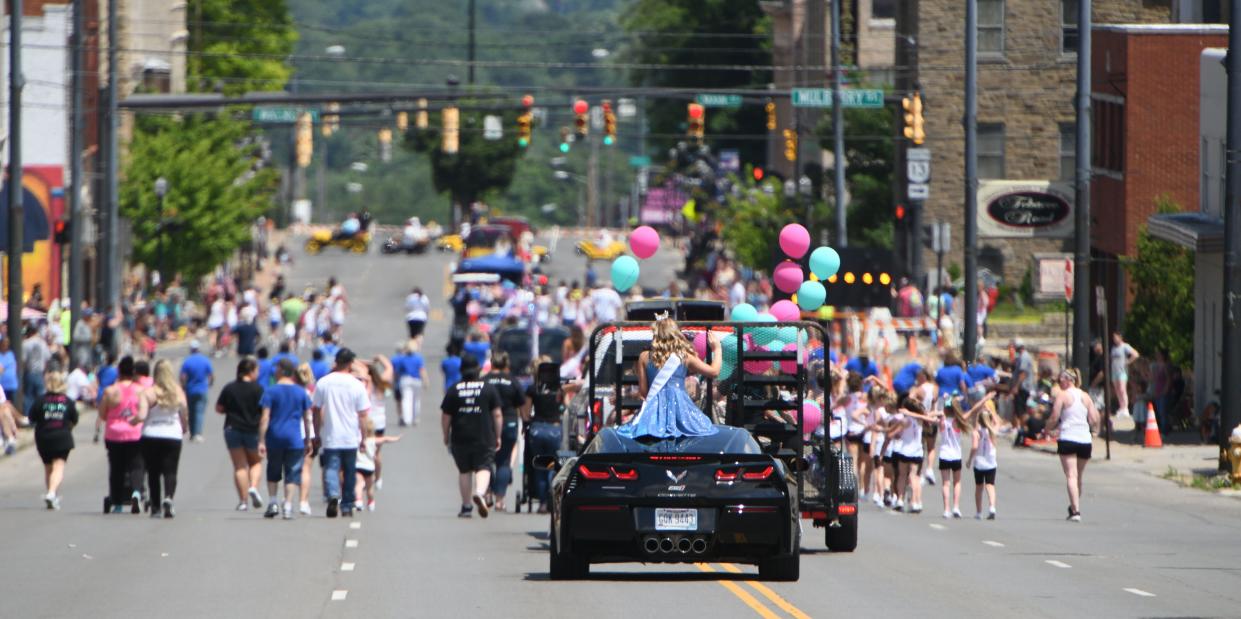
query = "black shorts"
x=949 y=465
x=380 y=431
x=910 y=459
x=890 y=459
x=984 y=477
x=856 y=439
x=470 y=458
x=51 y=455
x=1073 y=448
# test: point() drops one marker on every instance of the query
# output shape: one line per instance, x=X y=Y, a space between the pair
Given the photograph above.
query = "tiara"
x=664 y=315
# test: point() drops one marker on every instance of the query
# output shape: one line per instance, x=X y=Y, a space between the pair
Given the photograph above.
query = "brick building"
x=1026 y=82
x=1146 y=140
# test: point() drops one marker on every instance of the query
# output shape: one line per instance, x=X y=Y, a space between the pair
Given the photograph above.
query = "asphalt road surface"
x=1146 y=548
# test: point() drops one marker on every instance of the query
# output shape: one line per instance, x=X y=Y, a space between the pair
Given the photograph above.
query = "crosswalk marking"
x=339 y=595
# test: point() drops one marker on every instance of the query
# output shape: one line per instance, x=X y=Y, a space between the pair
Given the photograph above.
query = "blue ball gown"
x=668 y=411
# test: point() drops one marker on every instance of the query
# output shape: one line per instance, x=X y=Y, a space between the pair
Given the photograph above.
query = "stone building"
x=1026 y=135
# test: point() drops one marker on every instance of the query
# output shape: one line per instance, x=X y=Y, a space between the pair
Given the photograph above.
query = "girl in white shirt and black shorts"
x=1073 y=417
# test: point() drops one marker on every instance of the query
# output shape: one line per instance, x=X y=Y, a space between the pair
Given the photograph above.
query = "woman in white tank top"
x=1073 y=416
x=982 y=460
x=909 y=454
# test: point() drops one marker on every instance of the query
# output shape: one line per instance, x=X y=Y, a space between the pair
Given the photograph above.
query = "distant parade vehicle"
x=397 y=245
x=735 y=496
x=358 y=243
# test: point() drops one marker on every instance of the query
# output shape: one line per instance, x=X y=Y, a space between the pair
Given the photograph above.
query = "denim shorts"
x=286 y=463
x=239 y=439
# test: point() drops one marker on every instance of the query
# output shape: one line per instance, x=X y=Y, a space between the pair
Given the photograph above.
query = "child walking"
x=366 y=461
x=982 y=458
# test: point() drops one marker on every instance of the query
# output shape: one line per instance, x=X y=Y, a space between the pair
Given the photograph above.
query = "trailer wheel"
x=844 y=537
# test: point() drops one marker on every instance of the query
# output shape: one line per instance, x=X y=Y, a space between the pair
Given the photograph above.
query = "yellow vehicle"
x=358 y=243
x=593 y=251
x=450 y=243
x=541 y=254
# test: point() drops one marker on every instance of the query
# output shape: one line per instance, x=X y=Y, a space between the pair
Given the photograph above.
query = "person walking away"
x=542 y=413
x=283 y=427
x=910 y=454
x=471 y=424
x=451 y=366
x=411 y=374
x=417 y=307
x=197 y=377
x=378 y=376
x=512 y=399
x=35 y=355
x=10 y=379
x=164 y=410
x=340 y=404
x=982 y=459
x=1073 y=418
x=952 y=424
x=1122 y=355
x=1023 y=383
x=239 y=403
x=122 y=435
x=247 y=332
x=54 y=415
x=306 y=380
x=367 y=464
x=1161 y=386
x=319 y=367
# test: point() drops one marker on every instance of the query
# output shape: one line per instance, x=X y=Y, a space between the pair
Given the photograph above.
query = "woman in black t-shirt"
x=239 y=403
x=53 y=415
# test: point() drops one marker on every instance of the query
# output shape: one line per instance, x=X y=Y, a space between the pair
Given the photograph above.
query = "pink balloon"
x=787 y=276
x=795 y=240
x=644 y=242
x=811 y=417
x=785 y=311
x=700 y=344
x=789 y=367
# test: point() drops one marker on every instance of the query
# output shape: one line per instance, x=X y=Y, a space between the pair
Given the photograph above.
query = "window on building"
x=1109 y=137
x=990 y=150
x=1068 y=26
x=1068 y=151
x=883 y=9
x=991 y=26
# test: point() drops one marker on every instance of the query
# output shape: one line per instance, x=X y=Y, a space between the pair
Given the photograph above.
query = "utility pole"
x=77 y=182
x=838 y=134
x=593 y=217
x=111 y=266
x=1081 y=253
x=1230 y=400
x=470 y=76
x=16 y=215
x=971 y=180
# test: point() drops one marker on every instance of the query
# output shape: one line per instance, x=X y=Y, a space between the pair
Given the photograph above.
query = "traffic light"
x=385 y=144
x=790 y=145
x=758 y=174
x=525 y=121
x=913 y=118
x=420 y=117
x=697 y=119
x=565 y=138
x=900 y=212
x=451 y=119
x=771 y=115
x=305 y=138
x=331 y=120
x=60 y=229
x=609 y=124
x=402 y=121
x=581 y=123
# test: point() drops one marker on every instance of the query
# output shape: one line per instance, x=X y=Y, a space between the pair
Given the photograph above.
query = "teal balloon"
x=811 y=296
x=824 y=262
x=625 y=272
x=786 y=335
x=728 y=348
x=744 y=312
x=764 y=335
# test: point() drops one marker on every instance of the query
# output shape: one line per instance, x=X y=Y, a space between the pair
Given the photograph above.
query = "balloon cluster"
x=643 y=242
x=809 y=294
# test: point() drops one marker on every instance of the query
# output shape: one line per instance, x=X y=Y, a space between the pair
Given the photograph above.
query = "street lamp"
x=161 y=190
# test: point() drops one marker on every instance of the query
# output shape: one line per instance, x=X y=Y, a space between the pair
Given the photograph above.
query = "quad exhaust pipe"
x=675 y=545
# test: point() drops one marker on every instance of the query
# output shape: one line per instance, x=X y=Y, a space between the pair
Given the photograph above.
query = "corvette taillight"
x=599 y=474
x=756 y=474
x=625 y=474
x=726 y=474
x=590 y=473
x=752 y=473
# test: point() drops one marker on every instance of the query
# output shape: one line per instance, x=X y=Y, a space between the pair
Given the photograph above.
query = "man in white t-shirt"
x=606 y=303
x=340 y=404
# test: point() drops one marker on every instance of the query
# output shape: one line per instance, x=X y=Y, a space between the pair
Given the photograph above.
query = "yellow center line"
x=742 y=594
x=766 y=591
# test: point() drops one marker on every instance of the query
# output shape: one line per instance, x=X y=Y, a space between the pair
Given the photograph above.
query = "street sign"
x=919 y=191
x=918 y=165
x=718 y=100
x=493 y=128
x=1068 y=280
x=1100 y=301
x=639 y=161
x=941 y=237
x=626 y=108
x=730 y=160
x=280 y=115
x=822 y=97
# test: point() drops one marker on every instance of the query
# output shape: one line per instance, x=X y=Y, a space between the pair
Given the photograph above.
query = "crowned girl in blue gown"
x=667 y=410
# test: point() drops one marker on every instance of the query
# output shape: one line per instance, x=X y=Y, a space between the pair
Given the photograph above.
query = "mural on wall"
x=42 y=204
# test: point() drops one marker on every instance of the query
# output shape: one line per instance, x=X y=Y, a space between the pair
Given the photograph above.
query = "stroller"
x=546 y=406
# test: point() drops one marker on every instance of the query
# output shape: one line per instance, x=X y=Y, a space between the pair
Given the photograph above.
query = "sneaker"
x=956 y=513
x=379 y=484
x=107 y=505
x=304 y=508
x=256 y=499
x=1076 y=517
x=155 y=513
x=483 y=510
x=346 y=513
x=878 y=501
x=243 y=507
x=273 y=510
x=929 y=477
x=898 y=505
x=169 y=512
x=286 y=511
x=915 y=508
x=370 y=507
x=466 y=512
x=333 y=506
x=10 y=447
x=991 y=515
x=947 y=515
x=198 y=438
x=978 y=516
x=50 y=500
x=135 y=503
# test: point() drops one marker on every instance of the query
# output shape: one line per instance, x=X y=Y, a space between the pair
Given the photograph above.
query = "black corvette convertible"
x=713 y=498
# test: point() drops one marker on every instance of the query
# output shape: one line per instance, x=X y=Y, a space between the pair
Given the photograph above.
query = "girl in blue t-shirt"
x=451 y=365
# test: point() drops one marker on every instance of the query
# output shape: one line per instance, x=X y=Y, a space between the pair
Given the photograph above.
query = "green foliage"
x=870 y=159
x=753 y=221
x=211 y=194
x=478 y=168
x=661 y=31
x=1162 y=280
x=239 y=45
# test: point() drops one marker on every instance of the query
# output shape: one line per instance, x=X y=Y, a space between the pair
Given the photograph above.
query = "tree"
x=1162 y=278
x=869 y=157
x=478 y=168
x=238 y=46
x=214 y=193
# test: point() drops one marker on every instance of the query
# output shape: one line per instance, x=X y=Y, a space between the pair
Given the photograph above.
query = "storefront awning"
x=1195 y=231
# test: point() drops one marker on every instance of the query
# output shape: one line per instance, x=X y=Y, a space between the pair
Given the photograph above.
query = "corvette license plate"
x=667 y=519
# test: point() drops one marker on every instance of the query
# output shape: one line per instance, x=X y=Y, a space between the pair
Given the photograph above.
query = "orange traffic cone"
x=1152 y=428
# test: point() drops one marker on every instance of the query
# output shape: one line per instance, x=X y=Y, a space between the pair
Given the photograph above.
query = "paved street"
x=1146 y=547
